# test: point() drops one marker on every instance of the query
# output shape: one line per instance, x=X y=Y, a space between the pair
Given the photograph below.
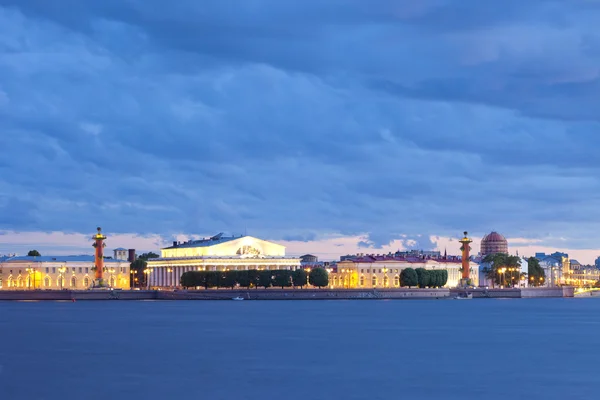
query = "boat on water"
x=464 y=296
x=237 y=298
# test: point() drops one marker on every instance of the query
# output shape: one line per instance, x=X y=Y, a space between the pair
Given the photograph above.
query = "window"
x=60 y=282
x=112 y=281
x=46 y=282
x=73 y=281
x=396 y=281
x=374 y=281
x=86 y=270
x=362 y=280
x=53 y=270
x=47 y=269
x=80 y=269
x=86 y=281
x=385 y=281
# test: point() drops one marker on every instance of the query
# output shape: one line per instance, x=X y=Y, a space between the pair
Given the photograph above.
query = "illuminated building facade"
x=383 y=271
x=217 y=253
x=59 y=272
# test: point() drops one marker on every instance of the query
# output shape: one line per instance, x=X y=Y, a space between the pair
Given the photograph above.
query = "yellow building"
x=59 y=272
x=384 y=271
x=218 y=253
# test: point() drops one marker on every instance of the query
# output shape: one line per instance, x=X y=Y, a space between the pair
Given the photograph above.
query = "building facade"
x=59 y=272
x=383 y=271
x=218 y=253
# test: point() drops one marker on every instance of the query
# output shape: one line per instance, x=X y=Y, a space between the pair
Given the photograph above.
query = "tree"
x=146 y=256
x=188 y=279
x=213 y=279
x=243 y=278
x=536 y=273
x=228 y=279
x=282 y=278
x=408 y=277
x=253 y=277
x=299 y=277
x=137 y=272
x=265 y=278
x=33 y=253
x=422 y=277
x=318 y=277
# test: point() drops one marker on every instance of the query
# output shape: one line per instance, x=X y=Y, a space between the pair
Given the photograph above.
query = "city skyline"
x=371 y=122
x=327 y=249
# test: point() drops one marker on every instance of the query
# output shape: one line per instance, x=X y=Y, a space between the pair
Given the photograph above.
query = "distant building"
x=217 y=253
x=309 y=259
x=59 y=272
x=381 y=271
x=493 y=243
x=120 y=254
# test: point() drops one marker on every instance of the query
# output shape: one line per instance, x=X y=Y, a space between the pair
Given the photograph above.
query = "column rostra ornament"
x=465 y=249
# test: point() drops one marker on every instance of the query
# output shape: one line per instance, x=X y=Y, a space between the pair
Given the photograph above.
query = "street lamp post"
x=133 y=274
x=147 y=272
x=61 y=271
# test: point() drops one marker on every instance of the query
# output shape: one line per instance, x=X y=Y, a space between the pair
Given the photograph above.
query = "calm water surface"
x=484 y=349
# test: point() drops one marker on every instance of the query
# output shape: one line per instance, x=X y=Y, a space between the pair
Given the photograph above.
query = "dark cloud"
x=344 y=117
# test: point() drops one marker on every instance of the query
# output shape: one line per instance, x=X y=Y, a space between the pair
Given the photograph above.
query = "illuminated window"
x=10 y=281
x=396 y=281
x=362 y=280
x=385 y=281
x=19 y=282
x=73 y=281
x=47 y=281
x=60 y=282
x=86 y=281
x=374 y=281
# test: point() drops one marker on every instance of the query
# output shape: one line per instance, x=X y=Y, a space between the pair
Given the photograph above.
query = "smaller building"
x=59 y=272
x=120 y=254
x=383 y=271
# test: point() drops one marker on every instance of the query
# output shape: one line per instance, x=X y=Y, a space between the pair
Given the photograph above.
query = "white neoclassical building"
x=59 y=272
x=217 y=253
x=383 y=271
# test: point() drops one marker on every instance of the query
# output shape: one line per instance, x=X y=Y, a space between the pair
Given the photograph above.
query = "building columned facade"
x=217 y=253
x=383 y=271
x=59 y=272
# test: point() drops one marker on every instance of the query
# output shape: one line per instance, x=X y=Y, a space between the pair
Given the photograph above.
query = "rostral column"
x=99 y=257
x=465 y=248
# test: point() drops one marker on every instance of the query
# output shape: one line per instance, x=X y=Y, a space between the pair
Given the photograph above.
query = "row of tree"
x=423 y=278
x=255 y=278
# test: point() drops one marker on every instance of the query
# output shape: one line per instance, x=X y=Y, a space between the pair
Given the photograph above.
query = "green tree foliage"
x=147 y=256
x=283 y=278
x=422 y=277
x=504 y=269
x=437 y=278
x=33 y=253
x=408 y=277
x=299 y=277
x=318 y=277
x=243 y=278
x=228 y=279
x=535 y=272
x=137 y=271
x=265 y=278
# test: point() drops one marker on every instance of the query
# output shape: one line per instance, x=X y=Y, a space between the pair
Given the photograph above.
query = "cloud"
x=381 y=123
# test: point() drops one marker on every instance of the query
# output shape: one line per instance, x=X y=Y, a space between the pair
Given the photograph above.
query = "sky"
x=330 y=127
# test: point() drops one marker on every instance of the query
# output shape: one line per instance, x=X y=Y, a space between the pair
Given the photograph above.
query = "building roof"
x=217 y=239
x=410 y=259
x=80 y=258
x=120 y=249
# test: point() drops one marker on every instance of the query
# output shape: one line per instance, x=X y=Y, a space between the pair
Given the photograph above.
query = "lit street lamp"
x=133 y=278
x=61 y=271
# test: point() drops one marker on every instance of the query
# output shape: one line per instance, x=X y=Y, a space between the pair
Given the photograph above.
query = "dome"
x=493 y=243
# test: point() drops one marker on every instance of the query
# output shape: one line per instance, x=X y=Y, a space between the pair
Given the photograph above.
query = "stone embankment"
x=280 y=294
x=517 y=293
x=305 y=294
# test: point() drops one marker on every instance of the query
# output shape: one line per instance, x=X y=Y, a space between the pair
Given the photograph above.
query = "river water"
x=377 y=349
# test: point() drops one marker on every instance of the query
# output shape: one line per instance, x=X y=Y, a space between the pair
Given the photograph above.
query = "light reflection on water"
x=538 y=349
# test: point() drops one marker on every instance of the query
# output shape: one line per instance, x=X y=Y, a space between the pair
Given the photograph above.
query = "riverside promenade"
x=282 y=294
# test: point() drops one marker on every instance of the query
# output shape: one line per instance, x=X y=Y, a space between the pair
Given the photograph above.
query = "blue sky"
x=382 y=123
